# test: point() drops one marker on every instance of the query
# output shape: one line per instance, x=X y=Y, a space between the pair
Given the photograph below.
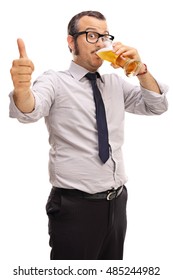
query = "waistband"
x=108 y=195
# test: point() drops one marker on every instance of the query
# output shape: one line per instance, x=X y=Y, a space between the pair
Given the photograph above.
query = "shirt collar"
x=78 y=72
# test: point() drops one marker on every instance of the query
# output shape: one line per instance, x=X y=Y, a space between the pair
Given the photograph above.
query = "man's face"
x=85 y=52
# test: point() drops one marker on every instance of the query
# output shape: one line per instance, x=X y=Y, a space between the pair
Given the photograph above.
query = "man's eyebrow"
x=95 y=30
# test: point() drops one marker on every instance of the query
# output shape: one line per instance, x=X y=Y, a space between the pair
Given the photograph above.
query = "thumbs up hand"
x=21 y=71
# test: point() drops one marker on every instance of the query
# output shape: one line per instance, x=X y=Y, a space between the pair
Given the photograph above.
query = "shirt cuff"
x=14 y=112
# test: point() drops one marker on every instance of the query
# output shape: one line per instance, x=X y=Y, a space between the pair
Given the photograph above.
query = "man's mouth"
x=95 y=51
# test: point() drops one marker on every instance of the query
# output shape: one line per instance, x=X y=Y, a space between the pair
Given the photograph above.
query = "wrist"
x=143 y=70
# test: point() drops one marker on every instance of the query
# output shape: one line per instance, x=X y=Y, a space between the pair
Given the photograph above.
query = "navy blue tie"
x=103 y=141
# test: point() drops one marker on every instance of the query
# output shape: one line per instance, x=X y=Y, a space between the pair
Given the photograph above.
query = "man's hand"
x=21 y=73
x=146 y=80
x=125 y=51
x=21 y=70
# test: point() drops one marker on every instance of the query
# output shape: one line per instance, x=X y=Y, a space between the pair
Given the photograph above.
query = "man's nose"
x=101 y=42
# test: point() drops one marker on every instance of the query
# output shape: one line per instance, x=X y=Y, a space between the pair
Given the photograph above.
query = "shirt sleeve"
x=139 y=100
x=44 y=89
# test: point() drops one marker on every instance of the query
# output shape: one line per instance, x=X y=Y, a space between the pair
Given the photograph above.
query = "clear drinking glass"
x=131 y=66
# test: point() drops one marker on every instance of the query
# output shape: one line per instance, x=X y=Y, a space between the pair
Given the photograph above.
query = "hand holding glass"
x=131 y=66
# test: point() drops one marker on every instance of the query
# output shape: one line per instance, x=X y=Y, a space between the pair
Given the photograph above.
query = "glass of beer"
x=131 y=66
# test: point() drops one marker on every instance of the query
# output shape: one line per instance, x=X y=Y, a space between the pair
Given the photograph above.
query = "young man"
x=87 y=202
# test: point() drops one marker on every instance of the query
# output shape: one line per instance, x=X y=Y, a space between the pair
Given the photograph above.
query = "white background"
x=24 y=182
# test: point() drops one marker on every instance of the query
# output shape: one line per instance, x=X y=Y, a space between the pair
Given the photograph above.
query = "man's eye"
x=92 y=35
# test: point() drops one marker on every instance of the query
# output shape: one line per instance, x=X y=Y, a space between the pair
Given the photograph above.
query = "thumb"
x=21 y=48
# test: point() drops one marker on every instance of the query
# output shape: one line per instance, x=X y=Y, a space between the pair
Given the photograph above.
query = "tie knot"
x=92 y=76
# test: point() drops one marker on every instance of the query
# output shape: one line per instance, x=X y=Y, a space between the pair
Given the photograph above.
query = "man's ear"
x=70 y=41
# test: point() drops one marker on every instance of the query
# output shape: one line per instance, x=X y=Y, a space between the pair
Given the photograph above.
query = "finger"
x=22 y=79
x=21 y=48
x=116 y=45
x=122 y=49
x=24 y=62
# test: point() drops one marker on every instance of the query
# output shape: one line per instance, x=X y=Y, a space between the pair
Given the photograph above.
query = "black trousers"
x=84 y=229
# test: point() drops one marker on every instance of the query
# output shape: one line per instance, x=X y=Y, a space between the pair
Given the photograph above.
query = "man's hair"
x=73 y=24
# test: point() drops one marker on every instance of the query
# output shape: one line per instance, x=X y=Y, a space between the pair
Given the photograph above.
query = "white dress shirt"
x=65 y=100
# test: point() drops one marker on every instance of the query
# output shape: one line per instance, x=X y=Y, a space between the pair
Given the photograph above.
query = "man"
x=87 y=203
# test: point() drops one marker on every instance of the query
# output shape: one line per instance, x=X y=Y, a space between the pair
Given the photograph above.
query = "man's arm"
x=147 y=81
x=21 y=73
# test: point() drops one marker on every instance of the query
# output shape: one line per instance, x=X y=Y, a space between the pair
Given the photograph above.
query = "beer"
x=130 y=66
